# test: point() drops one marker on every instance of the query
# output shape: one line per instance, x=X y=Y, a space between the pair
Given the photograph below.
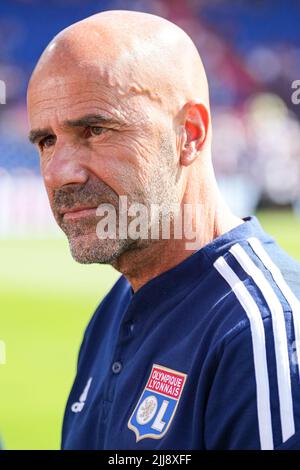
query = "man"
x=194 y=347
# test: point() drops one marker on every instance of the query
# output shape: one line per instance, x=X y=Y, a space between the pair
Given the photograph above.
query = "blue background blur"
x=251 y=51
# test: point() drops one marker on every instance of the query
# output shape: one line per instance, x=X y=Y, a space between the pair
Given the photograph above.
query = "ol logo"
x=157 y=404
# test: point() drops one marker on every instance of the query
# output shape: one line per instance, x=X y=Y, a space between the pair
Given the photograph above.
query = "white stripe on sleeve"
x=283 y=286
x=280 y=340
x=259 y=352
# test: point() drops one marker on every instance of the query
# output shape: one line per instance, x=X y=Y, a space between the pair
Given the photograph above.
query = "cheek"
x=121 y=167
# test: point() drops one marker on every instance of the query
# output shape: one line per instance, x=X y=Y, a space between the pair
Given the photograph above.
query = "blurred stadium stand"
x=251 y=50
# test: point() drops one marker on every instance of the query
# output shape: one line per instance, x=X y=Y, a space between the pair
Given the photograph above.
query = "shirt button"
x=116 y=367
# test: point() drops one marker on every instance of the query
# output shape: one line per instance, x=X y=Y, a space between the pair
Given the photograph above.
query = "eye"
x=96 y=130
x=47 y=142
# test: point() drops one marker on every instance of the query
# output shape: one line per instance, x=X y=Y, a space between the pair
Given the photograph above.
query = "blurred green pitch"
x=46 y=300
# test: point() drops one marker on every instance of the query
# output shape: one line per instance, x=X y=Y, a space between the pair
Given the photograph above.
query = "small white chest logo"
x=78 y=405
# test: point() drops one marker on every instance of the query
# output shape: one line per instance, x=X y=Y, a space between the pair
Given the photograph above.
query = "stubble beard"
x=85 y=246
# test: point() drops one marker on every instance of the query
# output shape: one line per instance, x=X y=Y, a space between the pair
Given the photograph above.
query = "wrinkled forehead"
x=88 y=87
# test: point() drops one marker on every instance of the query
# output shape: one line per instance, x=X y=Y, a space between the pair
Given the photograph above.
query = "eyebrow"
x=84 y=121
x=37 y=134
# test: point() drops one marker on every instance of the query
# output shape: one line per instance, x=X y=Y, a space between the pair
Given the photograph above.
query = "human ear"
x=195 y=128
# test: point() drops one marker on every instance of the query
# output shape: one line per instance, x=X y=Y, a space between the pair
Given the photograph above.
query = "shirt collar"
x=172 y=282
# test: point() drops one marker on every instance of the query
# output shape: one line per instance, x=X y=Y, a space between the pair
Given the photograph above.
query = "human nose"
x=65 y=167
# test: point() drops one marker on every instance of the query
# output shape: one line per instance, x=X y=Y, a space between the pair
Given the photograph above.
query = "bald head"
x=132 y=52
x=118 y=105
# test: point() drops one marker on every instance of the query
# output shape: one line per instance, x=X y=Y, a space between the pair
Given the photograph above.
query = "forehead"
x=69 y=95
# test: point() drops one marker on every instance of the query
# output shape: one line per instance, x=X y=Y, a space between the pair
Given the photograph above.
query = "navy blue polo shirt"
x=204 y=356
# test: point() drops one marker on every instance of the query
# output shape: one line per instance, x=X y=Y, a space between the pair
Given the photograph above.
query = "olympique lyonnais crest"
x=157 y=405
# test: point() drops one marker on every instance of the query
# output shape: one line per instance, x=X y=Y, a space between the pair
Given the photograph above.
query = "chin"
x=85 y=251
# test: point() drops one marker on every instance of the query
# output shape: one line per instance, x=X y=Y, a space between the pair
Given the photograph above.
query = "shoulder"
x=258 y=342
x=259 y=281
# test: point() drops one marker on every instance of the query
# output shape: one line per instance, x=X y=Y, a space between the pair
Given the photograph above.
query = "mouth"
x=78 y=213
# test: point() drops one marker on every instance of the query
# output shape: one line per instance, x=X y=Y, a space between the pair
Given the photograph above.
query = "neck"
x=141 y=265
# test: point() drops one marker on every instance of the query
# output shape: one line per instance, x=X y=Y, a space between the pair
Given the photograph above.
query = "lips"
x=78 y=212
